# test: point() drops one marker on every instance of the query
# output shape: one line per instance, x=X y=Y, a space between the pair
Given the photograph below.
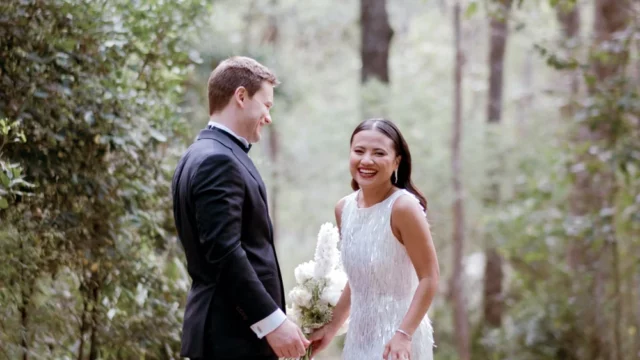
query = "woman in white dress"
x=387 y=252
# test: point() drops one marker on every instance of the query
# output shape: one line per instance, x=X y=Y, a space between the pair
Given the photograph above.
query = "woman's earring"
x=395 y=172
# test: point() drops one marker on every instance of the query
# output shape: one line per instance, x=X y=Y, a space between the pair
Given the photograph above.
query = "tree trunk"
x=93 y=348
x=376 y=34
x=617 y=291
x=492 y=295
x=593 y=194
x=271 y=38
x=568 y=15
x=83 y=325
x=498 y=43
x=461 y=325
x=24 y=321
x=611 y=17
x=376 y=38
x=493 y=303
x=26 y=290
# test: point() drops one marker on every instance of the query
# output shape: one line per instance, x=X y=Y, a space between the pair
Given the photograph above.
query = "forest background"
x=523 y=119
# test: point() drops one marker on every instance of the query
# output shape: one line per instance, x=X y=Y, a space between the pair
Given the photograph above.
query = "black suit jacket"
x=221 y=215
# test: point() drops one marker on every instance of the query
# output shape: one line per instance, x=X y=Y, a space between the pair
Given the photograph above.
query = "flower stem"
x=307 y=354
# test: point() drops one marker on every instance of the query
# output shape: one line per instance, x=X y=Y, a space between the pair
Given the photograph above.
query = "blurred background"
x=523 y=118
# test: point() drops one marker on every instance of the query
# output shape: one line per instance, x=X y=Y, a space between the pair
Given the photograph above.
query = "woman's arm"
x=341 y=311
x=410 y=226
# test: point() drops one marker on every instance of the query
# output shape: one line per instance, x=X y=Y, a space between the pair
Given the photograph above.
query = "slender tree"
x=493 y=293
x=376 y=35
x=461 y=324
x=568 y=15
x=593 y=195
x=271 y=37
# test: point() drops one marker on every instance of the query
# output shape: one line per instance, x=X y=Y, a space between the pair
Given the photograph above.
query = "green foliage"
x=472 y=9
x=88 y=264
x=12 y=182
x=87 y=261
x=561 y=237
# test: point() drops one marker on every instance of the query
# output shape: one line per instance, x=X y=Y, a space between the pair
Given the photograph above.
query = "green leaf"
x=21 y=182
x=5 y=180
x=157 y=135
x=471 y=9
x=16 y=172
x=3 y=203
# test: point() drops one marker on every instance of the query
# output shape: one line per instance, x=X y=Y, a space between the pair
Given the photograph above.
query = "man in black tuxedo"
x=235 y=307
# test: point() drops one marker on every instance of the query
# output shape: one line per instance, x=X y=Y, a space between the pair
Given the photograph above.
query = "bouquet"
x=319 y=284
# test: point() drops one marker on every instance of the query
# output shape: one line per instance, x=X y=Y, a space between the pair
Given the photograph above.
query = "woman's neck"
x=370 y=196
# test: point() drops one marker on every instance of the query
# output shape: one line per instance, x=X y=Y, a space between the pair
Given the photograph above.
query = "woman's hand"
x=321 y=338
x=398 y=348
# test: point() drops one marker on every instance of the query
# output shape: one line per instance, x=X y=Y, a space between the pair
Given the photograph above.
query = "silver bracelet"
x=405 y=333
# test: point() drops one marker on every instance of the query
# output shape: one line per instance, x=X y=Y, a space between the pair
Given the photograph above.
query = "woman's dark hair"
x=391 y=131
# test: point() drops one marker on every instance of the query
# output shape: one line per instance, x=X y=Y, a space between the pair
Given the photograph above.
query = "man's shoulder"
x=205 y=155
x=208 y=150
x=209 y=147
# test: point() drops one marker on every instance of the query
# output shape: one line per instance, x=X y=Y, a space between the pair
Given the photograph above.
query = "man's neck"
x=226 y=120
x=226 y=125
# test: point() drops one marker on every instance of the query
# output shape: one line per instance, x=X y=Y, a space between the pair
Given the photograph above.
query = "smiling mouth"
x=367 y=173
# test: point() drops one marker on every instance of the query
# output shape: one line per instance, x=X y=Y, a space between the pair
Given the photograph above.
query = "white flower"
x=338 y=278
x=330 y=296
x=293 y=313
x=336 y=282
x=320 y=283
x=300 y=296
x=304 y=272
x=327 y=255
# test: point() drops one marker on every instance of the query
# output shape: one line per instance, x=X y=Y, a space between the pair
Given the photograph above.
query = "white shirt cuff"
x=263 y=327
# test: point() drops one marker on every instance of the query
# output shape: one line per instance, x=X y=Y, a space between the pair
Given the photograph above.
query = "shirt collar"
x=226 y=129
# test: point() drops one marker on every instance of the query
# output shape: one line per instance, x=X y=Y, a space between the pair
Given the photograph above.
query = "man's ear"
x=240 y=95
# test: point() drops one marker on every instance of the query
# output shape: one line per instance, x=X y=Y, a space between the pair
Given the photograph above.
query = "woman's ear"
x=397 y=161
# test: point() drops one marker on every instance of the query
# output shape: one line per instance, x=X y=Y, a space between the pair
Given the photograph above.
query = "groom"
x=235 y=305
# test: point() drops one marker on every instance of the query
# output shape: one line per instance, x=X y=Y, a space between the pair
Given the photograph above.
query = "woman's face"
x=373 y=158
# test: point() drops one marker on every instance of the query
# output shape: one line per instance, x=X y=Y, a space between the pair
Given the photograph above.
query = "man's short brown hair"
x=232 y=73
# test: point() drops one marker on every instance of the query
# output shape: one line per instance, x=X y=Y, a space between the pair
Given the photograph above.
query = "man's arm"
x=265 y=326
x=218 y=194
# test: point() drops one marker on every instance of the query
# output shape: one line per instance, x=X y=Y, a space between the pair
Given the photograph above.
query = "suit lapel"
x=246 y=161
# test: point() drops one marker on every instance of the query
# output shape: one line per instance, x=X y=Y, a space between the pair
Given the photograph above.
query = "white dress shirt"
x=265 y=326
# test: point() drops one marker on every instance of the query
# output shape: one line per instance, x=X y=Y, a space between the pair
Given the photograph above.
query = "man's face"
x=255 y=112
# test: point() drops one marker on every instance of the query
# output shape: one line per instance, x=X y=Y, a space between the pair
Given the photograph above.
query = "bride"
x=387 y=251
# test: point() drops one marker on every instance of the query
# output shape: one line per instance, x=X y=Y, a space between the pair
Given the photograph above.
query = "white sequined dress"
x=383 y=281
